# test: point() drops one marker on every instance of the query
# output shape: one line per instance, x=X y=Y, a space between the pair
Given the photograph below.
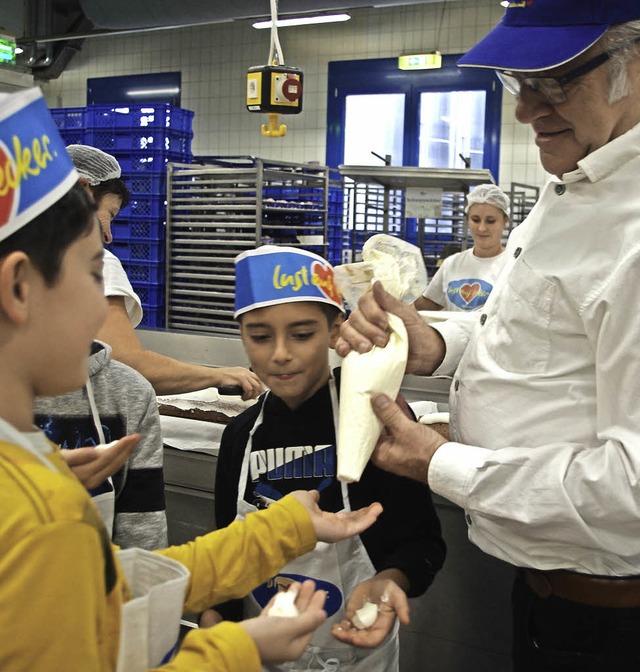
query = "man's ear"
x=15 y=271
x=334 y=330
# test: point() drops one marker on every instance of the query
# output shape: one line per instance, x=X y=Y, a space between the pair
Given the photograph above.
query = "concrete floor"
x=462 y=623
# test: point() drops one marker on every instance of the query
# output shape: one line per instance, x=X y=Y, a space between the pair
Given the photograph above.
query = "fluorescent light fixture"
x=303 y=21
x=151 y=92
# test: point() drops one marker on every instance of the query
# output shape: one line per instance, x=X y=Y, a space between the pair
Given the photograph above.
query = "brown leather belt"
x=597 y=591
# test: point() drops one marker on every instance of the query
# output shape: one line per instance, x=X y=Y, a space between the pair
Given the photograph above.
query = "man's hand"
x=405 y=447
x=391 y=600
x=279 y=639
x=332 y=527
x=367 y=326
x=92 y=466
x=251 y=385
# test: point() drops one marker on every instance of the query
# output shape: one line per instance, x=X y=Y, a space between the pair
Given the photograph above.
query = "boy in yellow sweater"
x=68 y=600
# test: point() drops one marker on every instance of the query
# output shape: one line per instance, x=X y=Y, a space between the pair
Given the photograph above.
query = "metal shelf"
x=222 y=207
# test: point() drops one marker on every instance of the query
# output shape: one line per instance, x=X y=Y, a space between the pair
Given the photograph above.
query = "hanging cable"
x=276 y=56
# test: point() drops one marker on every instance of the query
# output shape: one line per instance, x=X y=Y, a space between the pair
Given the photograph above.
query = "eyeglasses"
x=552 y=88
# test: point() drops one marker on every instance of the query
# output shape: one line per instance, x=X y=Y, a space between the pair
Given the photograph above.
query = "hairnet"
x=489 y=193
x=93 y=164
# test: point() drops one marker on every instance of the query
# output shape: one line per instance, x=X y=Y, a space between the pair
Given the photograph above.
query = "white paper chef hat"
x=35 y=169
x=274 y=274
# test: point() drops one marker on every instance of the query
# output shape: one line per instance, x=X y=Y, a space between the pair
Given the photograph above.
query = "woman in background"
x=465 y=280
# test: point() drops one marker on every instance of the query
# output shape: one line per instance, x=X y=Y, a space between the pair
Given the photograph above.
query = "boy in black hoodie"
x=290 y=313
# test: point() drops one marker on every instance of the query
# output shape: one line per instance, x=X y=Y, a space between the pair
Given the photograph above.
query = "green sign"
x=420 y=61
x=7 y=49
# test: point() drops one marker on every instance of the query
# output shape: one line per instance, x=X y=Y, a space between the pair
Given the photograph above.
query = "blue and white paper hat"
x=274 y=274
x=35 y=169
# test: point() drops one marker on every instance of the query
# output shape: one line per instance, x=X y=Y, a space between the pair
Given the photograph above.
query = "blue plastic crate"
x=151 y=228
x=138 y=139
x=148 y=182
x=149 y=161
x=138 y=249
x=145 y=271
x=69 y=117
x=140 y=116
x=146 y=205
x=150 y=294
x=152 y=316
x=72 y=136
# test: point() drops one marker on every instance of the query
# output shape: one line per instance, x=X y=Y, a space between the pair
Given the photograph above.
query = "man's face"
x=567 y=132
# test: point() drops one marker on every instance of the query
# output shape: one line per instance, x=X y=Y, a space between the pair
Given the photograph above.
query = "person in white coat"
x=100 y=173
x=546 y=381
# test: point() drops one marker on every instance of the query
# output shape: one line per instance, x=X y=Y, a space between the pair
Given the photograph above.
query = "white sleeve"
x=435 y=289
x=116 y=283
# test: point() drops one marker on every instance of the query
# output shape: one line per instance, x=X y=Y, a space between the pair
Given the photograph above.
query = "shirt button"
x=560 y=189
x=516 y=252
x=456 y=385
x=483 y=318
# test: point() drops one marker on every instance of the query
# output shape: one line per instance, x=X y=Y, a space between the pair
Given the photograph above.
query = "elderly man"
x=545 y=400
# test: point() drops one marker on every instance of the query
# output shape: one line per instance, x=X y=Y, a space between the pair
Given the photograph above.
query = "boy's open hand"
x=332 y=527
x=278 y=638
x=91 y=467
x=391 y=601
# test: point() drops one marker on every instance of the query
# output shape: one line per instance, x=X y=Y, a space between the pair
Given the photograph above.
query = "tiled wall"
x=214 y=60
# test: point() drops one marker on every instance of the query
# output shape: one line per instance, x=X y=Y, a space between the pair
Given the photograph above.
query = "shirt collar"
x=607 y=159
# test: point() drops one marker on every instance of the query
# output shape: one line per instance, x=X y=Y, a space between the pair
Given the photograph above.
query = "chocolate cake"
x=205 y=405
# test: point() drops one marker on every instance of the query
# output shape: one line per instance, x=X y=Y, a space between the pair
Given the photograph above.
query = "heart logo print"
x=322 y=277
x=469 y=292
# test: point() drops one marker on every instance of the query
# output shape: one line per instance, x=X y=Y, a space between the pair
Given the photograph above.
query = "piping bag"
x=399 y=266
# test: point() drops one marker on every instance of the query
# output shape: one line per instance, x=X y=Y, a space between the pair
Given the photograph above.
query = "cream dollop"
x=284 y=604
x=366 y=616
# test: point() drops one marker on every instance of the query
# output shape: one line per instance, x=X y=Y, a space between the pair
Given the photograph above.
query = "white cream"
x=379 y=370
x=366 y=616
x=284 y=604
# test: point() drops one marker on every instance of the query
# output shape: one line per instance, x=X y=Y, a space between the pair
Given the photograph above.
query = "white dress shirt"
x=545 y=399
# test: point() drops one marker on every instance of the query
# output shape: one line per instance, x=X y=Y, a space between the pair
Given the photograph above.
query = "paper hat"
x=542 y=34
x=35 y=169
x=272 y=274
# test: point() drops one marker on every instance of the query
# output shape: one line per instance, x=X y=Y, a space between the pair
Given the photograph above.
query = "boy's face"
x=70 y=313
x=288 y=347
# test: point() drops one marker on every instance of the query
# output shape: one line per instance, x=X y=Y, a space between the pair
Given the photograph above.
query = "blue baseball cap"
x=35 y=169
x=542 y=34
x=274 y=274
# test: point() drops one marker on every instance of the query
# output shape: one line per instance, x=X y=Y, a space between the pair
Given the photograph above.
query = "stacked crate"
x=143 y=138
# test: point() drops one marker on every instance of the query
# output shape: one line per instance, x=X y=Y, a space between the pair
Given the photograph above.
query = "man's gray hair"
x=625 y=40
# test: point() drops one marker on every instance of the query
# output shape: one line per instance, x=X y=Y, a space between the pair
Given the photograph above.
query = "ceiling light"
x=303 y=21
x=505 y=3
x=151 y=92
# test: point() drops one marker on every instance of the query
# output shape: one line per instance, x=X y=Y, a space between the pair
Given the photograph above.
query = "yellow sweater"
x=61 y=588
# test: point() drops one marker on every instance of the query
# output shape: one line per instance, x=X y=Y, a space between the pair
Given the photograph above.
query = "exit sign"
x=420 y=61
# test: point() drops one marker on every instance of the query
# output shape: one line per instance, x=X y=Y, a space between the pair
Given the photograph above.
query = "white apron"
x=150 y=621
x=337 y=568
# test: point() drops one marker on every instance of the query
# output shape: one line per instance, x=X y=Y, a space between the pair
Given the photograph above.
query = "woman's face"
x=486 y=223
x=107 y=208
